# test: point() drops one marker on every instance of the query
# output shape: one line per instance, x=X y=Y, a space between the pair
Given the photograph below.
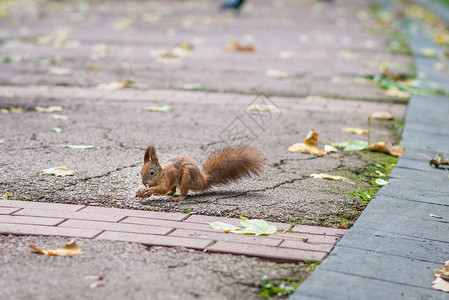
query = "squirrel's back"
x=230 y=164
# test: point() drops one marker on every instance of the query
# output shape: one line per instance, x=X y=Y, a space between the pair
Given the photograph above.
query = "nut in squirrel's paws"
x=141 y=191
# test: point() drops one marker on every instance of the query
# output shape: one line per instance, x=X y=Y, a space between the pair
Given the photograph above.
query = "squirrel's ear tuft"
x=150 y=155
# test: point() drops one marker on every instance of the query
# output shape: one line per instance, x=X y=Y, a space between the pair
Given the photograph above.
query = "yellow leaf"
x=310 y=145
x=164 y=108
x=70 y=249
x=382 y=115
x=236 y=46
x=331 y=177
x=395 y=92
x=48 y=109
x=355 y=130
x=115 y=85
x=266 y=108
x=386 y=147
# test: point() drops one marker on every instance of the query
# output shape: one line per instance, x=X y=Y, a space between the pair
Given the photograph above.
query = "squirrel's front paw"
x=141 y=191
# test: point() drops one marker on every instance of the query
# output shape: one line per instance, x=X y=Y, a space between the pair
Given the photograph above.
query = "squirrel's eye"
x=151 y=172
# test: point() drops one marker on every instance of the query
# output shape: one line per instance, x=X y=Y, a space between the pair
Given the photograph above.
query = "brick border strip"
x=164 y=229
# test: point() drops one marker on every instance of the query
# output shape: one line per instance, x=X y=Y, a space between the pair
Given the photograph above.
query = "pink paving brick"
x=223 y=236
x=24 y=229
x=233 y=221
x=40 y=205
x=116 y=227
x=272 y=253
x=8 y=210
x=299 y=244
x=134 y=213
x=319 y=230
x=67 y=215
x=156 y=240
x=166 y=223
x=29 y=220
x=313 y=238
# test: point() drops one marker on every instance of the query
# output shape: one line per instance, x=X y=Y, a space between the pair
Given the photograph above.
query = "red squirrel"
x=222 y=167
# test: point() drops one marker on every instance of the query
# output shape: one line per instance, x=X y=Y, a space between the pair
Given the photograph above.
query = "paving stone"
x=366 y=238
x=325 y=284
x=166 y=223
x=68 y=215
x=272 y=253
x=299 y=244
x=8 y=210
x=115 y=227
x=23 y=229
x=319 y=230
x=133 y=213
x=41 y=205
x=407 y=217
x=233 y=221
x=366 y=263
x=156 y=240
x=29 y=220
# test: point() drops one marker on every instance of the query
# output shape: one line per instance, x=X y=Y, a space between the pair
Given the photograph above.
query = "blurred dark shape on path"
x=233 y=4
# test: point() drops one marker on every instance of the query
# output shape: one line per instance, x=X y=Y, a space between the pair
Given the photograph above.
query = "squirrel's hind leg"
x=172 y=191
x=185 y=183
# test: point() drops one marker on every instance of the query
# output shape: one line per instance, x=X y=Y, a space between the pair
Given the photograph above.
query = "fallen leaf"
x=6 y=195
x=443 y=272
x=386 y=147
x=93 y=277
x=380 y=173
x=382 y=115
x=94 y=285
x=223 y=226
x=70 y=249
x=255 y=226
x=285 y=54
x=331 y=177
x=115 y=85
x=355 y=130
x=441 y=284
x=395 y=92
x=310 y=145
x=48 y=109
x=78 y=147
x=263 y=107
x=428 y=52
x=236 y=46
x=93 y=68
x=330 y=149
x=1 y=141
x=58 y=171
x=435 y=216
x=56 y=129
x=193 y=86
x=163 y=108
x=12 y=110
x=350 y=145
x=380 y=182
x=277 y=73
x=60 y=71
x=60 y=117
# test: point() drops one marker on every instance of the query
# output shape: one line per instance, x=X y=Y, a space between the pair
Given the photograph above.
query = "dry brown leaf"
x=93 y=68
x=444 y=271
x=382 y=115
x=12 y=110
x=7 y=195
x=386 y=147
x=70 y=249
x=310 y=145
x=236 y=46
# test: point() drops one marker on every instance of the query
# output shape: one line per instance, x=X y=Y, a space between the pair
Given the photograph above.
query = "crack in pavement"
x=108 y=173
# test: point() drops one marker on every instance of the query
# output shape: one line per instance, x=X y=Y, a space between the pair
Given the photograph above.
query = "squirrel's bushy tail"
x=230 y=164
